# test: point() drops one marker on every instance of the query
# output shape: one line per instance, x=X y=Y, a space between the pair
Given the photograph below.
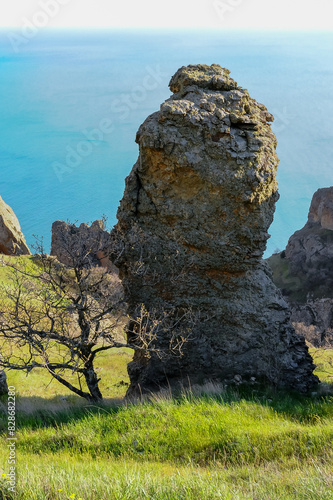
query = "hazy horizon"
x=194 y=14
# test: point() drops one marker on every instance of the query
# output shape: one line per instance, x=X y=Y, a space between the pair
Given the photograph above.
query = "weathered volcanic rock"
x=304 y=272
x=12 y=241
x=192 y=230
x=92 y=242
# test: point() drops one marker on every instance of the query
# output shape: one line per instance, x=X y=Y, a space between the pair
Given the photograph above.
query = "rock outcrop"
x=309 y=252
x=12 y=241
x=3 y=383
x=304 y=272
x=314 y=320
x=321 y=208
x=192 y=229
x=92 y=242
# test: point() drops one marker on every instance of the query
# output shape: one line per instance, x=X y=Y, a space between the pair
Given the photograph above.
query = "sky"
x=215 y=14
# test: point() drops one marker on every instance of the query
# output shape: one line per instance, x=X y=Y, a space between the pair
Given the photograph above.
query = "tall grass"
x=196 y=430
x=204 y=444
x=108 y=479
x=209 y=442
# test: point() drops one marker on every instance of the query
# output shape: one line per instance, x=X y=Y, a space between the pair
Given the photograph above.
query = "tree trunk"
x=92 y=382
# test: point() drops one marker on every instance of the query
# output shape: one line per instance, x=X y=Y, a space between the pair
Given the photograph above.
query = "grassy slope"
x=228 y=445
x=111 y=366
x=323 y=359
x=292 y=285
x=106 y=479
x=298 y=284
x=25 y=262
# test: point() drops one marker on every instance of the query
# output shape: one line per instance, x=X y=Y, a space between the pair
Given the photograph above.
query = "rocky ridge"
x=304 y=272
x=92 y=241
x=192 y=229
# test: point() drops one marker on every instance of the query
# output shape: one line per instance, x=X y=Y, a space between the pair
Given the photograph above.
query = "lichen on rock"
x=195 y=213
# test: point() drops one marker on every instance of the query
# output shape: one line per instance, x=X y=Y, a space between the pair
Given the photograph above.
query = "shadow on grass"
x=295 y=406
x=37 y=412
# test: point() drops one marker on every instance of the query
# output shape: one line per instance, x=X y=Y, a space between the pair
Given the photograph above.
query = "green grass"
x=207 y=443
x=292 y=285
x=110 y=479
x=195 y=430
x=323 y=359
x=24 y=262
x=39 y=385
x=111 y=366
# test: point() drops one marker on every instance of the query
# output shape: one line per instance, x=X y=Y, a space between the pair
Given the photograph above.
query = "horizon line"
x=174 y=28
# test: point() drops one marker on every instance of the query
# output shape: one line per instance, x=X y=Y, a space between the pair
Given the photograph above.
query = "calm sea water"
x=71 y=103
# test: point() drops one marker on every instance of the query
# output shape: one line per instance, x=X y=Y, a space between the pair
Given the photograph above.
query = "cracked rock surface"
x=193 y=226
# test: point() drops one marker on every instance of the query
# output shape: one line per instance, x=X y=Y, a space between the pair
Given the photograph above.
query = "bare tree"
x=61 y=318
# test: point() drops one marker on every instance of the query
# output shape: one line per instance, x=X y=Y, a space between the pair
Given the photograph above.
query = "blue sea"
x=71 y=103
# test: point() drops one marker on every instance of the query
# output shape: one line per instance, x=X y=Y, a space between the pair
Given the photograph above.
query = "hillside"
x=211 y=442
x=304 y=272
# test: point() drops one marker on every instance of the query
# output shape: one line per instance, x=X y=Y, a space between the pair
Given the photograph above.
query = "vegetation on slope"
x=290 y=284
x=208 y=443
x=307 y=274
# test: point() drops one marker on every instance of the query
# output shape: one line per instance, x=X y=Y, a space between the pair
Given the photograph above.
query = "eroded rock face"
x=314 y=320
x=321 y=209
x=193 y=223
x=93 y=241
x=310 y=250
x=12 y=241
x=304 y=272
